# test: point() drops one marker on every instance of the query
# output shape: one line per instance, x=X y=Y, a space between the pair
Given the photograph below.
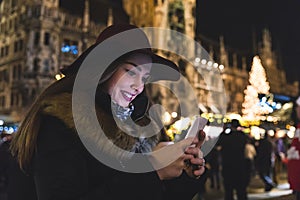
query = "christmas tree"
x=258 y=85
x=258 y=78
x=251 y=104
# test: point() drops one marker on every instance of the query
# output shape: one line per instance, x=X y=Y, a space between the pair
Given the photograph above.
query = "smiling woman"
x=53 y=149
x=129 y=79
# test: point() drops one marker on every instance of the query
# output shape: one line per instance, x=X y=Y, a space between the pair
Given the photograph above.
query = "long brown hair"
x=23 y=144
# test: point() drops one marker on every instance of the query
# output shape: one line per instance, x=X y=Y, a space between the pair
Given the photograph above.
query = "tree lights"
x=258 y=85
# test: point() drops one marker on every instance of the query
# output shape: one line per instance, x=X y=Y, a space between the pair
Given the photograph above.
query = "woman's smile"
x=128 y=96
x=129 y=79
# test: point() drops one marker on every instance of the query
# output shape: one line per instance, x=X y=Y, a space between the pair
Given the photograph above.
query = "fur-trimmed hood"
x=117 y=142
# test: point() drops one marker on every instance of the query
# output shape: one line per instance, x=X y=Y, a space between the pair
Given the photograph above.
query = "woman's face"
x=129 y=79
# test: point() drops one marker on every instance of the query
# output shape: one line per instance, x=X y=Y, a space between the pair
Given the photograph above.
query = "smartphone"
x=197 y=125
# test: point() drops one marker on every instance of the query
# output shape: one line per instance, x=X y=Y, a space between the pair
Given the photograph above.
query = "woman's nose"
x=137 y=85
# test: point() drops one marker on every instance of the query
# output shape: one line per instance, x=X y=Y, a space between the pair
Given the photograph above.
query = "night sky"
x=237 y=20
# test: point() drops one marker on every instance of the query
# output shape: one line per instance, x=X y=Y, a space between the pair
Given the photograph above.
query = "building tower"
x=275 y=74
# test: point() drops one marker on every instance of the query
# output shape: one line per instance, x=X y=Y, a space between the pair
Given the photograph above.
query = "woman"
x=51 y=148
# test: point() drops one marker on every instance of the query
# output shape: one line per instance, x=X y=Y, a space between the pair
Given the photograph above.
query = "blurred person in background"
x=250 y=154
x=213 y=164
x=4 y=163
x=232 y=144
x=293 y=156
x=264 y=160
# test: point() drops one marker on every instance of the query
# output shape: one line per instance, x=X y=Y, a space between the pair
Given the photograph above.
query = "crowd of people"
x=237 y=158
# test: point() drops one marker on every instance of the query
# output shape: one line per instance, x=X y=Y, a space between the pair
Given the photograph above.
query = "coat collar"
x=60 y=106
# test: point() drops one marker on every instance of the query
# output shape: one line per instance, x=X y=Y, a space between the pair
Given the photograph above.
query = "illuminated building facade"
x=37 y=38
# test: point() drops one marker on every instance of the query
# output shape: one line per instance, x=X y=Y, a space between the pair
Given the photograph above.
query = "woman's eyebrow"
x=133 y=64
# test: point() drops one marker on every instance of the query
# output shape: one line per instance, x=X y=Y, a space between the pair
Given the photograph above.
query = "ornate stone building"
x=275 y=73
x=37 y=38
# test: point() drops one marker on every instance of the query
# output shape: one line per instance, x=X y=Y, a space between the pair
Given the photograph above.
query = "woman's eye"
x=130 y=72
x=146 y=79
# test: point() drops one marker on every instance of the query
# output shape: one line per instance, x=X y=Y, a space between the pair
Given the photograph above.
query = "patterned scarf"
x=142 y=145
x=120 y=112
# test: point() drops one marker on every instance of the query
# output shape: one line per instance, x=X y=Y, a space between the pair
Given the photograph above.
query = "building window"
x=20 y=45
x=46 y=38
x=46 y=66
x=15 y=46
x=12 y=99
x=6 y=50
x=70 y=47
x=9 y=24
x=33 y=93
x=36 y=67
x=2 y=52
x=36 y=12
x=3 y=102
x=14 y=72
x=36 y=38
x=5 y=75
x=19 y=71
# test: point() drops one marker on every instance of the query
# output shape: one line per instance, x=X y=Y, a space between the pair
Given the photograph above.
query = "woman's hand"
x=195 y=167
x=190 y=157
x=174 y=169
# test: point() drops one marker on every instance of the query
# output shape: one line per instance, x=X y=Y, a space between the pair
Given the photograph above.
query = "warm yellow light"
x=291 y=134
x=292 y=128
x=271 y=133
x=234 y=116
x=246 y=130
x=166 y=118
x=197 y=60
x=174 y=114
x=280 y=133
x=255 y=132
x=182 y=124
x=59 y=76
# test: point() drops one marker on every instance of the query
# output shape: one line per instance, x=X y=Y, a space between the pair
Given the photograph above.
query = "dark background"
x=239 y=20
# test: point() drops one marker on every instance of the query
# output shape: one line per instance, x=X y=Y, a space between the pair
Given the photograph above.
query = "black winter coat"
x=63 y=169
